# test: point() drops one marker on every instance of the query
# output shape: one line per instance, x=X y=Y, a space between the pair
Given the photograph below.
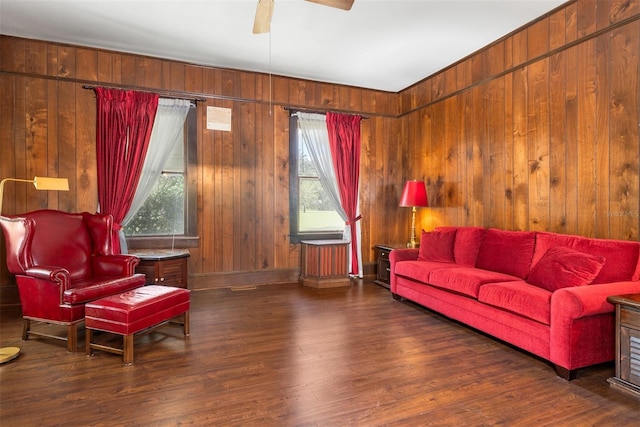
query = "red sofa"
x=543 y=292
x=62 y=261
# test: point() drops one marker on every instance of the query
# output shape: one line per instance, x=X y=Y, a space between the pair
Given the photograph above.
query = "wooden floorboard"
x=286 y=355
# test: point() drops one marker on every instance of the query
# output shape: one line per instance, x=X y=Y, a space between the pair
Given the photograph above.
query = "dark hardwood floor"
x=285 y=355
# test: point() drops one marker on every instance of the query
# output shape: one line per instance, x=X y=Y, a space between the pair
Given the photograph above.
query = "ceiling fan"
x=264 y=10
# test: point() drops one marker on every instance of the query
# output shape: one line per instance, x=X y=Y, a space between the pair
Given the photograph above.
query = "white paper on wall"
x=219 y=118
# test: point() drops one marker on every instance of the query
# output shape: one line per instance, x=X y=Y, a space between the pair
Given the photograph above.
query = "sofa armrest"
x=398 y=255
x=582 y=301
x=582 y=324
x=114 y=265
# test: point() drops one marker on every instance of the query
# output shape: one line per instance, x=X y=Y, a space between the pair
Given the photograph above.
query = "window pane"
x=175 y=162
x=305 y=165
x=316 y=214
x=163 y=211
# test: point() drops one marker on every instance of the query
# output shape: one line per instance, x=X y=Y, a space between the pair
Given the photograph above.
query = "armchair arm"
x=114 y=265
x=55 y=275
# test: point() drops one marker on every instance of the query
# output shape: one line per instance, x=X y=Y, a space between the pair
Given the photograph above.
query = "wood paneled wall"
x=538 y=131
x=47 y=127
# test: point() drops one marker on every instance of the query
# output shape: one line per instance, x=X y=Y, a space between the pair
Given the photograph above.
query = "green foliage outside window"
x=163 y=211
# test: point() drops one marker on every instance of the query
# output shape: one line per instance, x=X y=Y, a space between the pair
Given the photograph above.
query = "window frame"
x=190 y=238
x=295 y=236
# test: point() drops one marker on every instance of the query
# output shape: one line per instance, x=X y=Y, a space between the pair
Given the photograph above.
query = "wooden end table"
x=383 y=275
x=163 y=267
x=627 y=377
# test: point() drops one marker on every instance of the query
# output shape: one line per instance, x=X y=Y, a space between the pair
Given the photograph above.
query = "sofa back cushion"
x=61 y=239
x=508 y=252
x=620 y=256
x=467 y=244
x=437 y=245
x=100 y=228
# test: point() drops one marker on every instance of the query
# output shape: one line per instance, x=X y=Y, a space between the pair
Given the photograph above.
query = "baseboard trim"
x=202 y=281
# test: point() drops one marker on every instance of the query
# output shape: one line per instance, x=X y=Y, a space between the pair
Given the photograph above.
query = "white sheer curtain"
x=167 y=128
x=313 y=129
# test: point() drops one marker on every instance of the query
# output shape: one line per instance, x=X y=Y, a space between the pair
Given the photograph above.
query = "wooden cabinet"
x=168 y=268
x=627 y=377
x=383 y=274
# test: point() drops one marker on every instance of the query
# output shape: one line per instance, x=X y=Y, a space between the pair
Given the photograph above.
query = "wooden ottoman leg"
x=87 y=345
x=127 y=353
x=186 y=323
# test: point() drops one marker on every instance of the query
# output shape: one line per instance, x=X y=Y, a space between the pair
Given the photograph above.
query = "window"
x=163 y=210
x=311 y=213
x=168 y=218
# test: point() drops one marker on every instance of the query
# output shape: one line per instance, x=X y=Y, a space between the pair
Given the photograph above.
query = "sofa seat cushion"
x=508 y=252
x=518 y=297
x=420 y=270
x=466 y=280
x=98 y=287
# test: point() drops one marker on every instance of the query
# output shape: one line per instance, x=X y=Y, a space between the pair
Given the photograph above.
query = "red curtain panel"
x=344 y=139
x=124 y=123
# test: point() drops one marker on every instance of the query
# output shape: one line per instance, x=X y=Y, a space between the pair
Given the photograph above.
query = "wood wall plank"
x=557 y=143
x=602 y=143
x=538 y=144
x=571 y=141
x=623 y=130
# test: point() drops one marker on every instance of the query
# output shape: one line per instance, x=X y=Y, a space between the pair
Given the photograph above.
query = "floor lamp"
x=41 y=183
x=414 y=195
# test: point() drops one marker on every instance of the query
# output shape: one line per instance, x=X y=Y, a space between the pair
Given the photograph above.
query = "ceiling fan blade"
x=340 y=4
x=262 y=23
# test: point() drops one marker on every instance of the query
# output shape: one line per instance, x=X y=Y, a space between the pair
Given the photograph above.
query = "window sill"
x=297 y=238
x=163 y=242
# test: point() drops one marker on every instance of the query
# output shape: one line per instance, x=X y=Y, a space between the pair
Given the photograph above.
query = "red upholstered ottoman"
x=133 y=311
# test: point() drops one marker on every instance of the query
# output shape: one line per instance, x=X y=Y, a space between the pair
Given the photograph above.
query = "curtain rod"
x=293 y=111
x=162 y=95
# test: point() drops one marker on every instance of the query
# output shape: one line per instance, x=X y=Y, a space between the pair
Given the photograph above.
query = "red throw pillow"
x=562 y=267
x=437 y=246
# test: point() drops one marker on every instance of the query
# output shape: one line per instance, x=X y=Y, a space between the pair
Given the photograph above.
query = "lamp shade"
x=48 y=183
x=414 y=194
x=40 y=182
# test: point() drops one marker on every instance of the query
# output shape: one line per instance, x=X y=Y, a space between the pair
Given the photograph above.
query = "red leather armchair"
x=62 y=261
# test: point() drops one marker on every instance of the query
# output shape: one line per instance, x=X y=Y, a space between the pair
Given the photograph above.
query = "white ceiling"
x=379 y=44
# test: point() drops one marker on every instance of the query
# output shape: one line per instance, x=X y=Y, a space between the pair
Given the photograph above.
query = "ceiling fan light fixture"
x=264 y=12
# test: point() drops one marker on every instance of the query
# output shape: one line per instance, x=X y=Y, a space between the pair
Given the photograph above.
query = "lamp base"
x=8 y=353
x=413 y=243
